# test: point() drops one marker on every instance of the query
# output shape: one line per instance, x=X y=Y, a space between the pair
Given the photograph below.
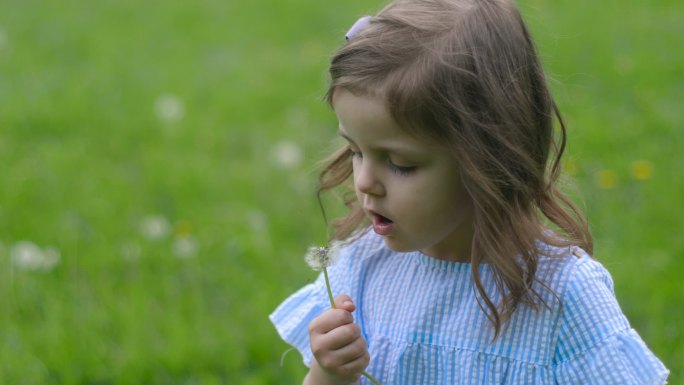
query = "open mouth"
x=382 y=225
x=381 y=220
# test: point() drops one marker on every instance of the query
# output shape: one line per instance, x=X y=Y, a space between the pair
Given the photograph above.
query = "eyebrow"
x=395 y=149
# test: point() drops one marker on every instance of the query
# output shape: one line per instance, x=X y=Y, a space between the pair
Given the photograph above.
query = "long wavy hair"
x=465 y=74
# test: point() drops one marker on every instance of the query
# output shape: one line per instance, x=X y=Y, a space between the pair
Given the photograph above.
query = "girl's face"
x=410 y=189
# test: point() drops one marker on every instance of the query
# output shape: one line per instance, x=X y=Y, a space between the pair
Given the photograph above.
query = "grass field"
x=158 y=166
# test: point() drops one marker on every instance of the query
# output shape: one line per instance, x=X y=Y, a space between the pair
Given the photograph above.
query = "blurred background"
x=158 y=166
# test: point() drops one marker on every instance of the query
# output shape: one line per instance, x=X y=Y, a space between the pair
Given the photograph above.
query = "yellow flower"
x=183 y=228
x=570 y=167
x=606 y=179
x=642 y=170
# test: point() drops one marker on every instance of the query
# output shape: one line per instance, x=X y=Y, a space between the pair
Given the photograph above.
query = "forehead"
x=365 y=120
x=361 y=109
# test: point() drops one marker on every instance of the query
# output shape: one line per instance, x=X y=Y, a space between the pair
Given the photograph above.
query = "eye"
x=401 y=170
x=354 y=154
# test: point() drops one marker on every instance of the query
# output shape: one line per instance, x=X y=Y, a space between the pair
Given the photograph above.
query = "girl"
x=463 y=262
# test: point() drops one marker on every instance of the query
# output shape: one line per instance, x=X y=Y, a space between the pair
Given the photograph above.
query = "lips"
x=381 y=224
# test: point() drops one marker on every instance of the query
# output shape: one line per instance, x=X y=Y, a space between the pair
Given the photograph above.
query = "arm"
x=596 y=344
x=339 y=349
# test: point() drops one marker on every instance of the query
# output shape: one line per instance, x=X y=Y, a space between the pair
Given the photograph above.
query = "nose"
x=366 y=180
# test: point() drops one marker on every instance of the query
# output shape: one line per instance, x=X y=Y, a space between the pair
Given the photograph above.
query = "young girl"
x=462 y=261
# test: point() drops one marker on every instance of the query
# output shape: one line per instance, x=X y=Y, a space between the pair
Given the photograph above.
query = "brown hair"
x=465 y=74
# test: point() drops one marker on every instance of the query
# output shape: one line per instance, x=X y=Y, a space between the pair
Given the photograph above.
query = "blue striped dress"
x=421 y=319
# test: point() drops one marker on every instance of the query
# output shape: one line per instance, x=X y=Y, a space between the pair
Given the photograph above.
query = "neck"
x=456 y=248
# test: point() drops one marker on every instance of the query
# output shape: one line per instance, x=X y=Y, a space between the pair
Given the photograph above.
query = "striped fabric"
x=424 y=325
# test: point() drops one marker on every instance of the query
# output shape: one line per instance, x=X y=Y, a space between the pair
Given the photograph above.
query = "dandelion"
x=169 y=108
x=606 y=179
x=155 y=227
x=642 y=170
x=319 y=258
x=29 y=256
x=570 y=167
x=287 y=154
x=183 y=227
x=185 y=246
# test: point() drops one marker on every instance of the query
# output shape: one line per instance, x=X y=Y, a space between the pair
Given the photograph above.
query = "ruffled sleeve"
x=596 y=344
x=292 y=317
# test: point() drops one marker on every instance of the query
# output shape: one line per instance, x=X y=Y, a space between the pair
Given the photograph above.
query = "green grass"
x=85 y=159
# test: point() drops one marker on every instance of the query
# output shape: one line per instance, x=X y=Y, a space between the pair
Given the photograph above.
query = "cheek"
x=445 y=197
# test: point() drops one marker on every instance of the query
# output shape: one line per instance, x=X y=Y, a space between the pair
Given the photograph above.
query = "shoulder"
x=585 y=280
x=582 y=283
x=588 y=308
x=590 y=313
x=570 y=268
x=594 y=336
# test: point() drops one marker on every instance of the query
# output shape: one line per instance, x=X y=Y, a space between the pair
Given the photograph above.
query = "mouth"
x=381 y=224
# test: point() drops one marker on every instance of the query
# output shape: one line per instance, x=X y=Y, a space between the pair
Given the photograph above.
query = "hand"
x=337 y=344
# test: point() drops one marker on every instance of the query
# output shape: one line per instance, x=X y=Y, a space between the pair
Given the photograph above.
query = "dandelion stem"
x=371 y=378
x=327 y=285
x=332 y=304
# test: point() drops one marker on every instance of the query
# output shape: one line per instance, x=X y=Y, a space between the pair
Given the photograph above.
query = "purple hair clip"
x=357 y=27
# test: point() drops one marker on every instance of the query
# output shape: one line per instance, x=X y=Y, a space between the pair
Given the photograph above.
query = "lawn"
x=158 y=164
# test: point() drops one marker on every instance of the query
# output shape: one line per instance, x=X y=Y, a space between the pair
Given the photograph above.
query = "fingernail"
x=348 y=303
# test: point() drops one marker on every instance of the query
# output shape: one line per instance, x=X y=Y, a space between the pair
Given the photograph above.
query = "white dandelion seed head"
x=288 y=154
x=185 y=246
x=154 y=227
x=26 y=255
x=319 y=258
x=29 y=256
x=169 y=108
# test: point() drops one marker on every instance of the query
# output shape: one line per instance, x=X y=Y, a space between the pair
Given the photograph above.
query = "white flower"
x=185 y=246
x=169 y=108
x=155 y=227
x=287 y=154
x=29 y=256
x=319 y=258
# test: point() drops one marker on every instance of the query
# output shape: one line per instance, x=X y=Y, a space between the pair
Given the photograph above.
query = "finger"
x=355 y=367
x=329 y=320
x=345 y=302
x=357 y=359
x=350 y=356
x=342 y=336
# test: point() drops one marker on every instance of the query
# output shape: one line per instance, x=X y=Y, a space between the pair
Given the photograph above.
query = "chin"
x=393 y=245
